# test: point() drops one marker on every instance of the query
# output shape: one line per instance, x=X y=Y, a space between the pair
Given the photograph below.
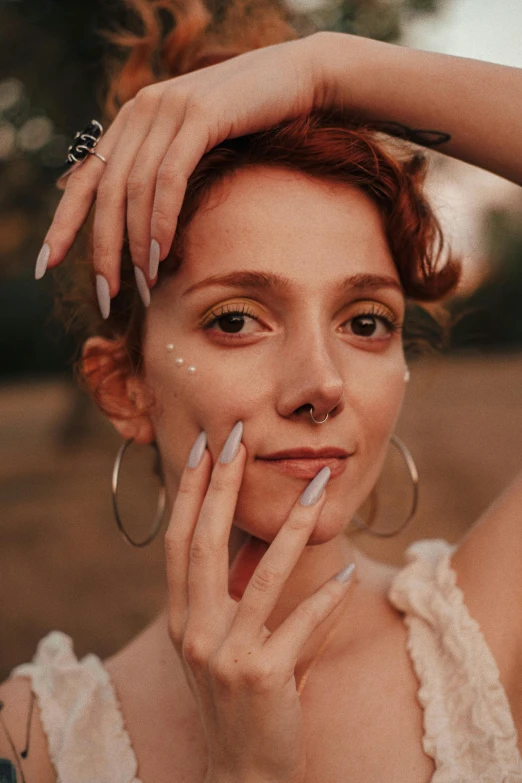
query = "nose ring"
x=315 y=420
x=325 y=418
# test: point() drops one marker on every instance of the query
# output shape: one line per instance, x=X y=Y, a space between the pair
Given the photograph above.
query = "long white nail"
x=231 y=446
x=345 y=573
x=42 y=261
x=197 y=450
x=104 y=298
x=314 y=490
x=143 y=288
x=154 y=258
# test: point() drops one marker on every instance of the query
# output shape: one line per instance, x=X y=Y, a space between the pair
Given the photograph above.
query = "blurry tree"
x=383 y=20
x=491 y=317
x=51 y=75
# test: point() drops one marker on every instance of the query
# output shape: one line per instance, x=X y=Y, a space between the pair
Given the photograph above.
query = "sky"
x=483 y=29
x=487 y=30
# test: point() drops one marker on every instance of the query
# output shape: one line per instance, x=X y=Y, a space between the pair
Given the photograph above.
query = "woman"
x=319 y=235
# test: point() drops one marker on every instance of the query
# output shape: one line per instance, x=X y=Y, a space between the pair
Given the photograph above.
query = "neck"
x=362 y=605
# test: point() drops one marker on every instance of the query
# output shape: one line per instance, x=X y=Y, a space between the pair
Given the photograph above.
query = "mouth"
x=306 y=467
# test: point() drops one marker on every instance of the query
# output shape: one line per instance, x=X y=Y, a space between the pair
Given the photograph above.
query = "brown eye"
x=231 y=323
x=230 y=320
x=364 y=324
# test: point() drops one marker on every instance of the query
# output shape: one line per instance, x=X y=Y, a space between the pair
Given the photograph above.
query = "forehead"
x=278 y=220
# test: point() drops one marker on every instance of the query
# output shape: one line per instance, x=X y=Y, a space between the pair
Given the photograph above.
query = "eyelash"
x=391 y=323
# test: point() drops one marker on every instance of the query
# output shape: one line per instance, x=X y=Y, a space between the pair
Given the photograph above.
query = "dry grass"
x=64 y=566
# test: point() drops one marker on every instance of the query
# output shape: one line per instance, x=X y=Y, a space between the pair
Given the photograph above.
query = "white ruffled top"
x=80 y=714
x=468 y=726
x=469 y=729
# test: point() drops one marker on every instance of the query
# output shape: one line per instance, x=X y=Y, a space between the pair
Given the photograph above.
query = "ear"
x=120 y=394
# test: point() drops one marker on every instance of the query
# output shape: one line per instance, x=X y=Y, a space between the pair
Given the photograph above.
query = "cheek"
x=378 y=401
x=177 y=411
x=212 y=397
x=378 y=396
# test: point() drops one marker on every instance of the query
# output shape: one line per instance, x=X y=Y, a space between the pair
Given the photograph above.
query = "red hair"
x=327 y=145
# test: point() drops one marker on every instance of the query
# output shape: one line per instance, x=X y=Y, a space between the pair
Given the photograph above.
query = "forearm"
x=478 y=104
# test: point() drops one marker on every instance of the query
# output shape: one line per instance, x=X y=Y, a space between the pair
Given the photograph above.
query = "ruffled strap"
x=469 y=729
x=80 y=714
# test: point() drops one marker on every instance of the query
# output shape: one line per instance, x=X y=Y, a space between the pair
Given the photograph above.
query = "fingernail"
x=104 y=299
x=231 y=446
x=315 y=488
x=154 y=258
x=42 y=261
x=345 y=574
x=197 y=450
x=143 y=288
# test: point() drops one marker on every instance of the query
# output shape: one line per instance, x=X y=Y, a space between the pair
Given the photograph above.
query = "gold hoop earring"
x=412 y=468
x=161 y=499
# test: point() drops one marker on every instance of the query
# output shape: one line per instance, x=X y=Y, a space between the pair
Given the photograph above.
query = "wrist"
x=342 y=66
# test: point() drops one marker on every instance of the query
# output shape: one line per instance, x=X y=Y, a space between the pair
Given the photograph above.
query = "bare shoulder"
x=16 y=697
x=488 y=563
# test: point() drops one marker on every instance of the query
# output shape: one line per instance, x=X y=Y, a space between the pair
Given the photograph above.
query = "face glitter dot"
x=179 y=361
x=191 y=369
x=170 y=347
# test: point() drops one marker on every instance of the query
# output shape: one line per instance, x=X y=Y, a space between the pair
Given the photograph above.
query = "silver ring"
x=317 y=422
x=323 y=421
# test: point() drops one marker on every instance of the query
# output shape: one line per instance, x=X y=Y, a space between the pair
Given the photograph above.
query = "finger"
x=288 y=641
x=109 y=220
x=178 y=537
x=142 y=180
x=209 y=560
x=182 y=157
x=80 y=190
x=268 y=580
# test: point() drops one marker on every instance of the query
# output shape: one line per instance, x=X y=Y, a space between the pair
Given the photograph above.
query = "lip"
x=307 y=453
x=307 y=468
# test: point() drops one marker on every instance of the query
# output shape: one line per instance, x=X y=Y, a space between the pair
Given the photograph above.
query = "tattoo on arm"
x=7 y=771
x=425 y=138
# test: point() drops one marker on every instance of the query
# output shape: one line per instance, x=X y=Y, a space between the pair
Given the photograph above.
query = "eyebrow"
x=268 y=281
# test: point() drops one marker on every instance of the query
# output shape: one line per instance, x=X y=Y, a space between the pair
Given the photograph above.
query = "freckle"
x=235 y=660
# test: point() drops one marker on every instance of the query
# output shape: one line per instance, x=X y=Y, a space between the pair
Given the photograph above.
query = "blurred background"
x=63 y=564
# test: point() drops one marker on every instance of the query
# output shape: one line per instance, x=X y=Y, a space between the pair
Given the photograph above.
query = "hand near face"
x=242 y=677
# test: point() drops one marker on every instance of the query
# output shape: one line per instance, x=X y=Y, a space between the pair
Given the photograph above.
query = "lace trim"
x=469 y=729
x=80 y=714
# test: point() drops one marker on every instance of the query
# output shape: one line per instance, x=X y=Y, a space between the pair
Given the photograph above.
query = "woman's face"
x=289 y=241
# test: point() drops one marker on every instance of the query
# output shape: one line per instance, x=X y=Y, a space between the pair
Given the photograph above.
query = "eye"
x=230 y=319
x=365 y=323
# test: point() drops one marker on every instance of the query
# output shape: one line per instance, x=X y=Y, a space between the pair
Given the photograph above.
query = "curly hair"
x=324 y=144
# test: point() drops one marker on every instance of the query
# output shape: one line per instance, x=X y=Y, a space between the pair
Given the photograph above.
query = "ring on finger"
x=84 y=144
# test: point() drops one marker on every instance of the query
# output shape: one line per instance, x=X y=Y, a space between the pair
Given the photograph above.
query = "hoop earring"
x=412 y=468
x=161 y=500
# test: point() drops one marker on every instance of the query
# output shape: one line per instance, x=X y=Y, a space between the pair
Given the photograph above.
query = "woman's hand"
x=156 y=141
x=242 y=677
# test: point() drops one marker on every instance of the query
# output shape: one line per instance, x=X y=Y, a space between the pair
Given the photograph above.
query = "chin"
x=325 y=530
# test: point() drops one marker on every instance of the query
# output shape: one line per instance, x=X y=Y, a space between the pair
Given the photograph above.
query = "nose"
x=313 y=383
